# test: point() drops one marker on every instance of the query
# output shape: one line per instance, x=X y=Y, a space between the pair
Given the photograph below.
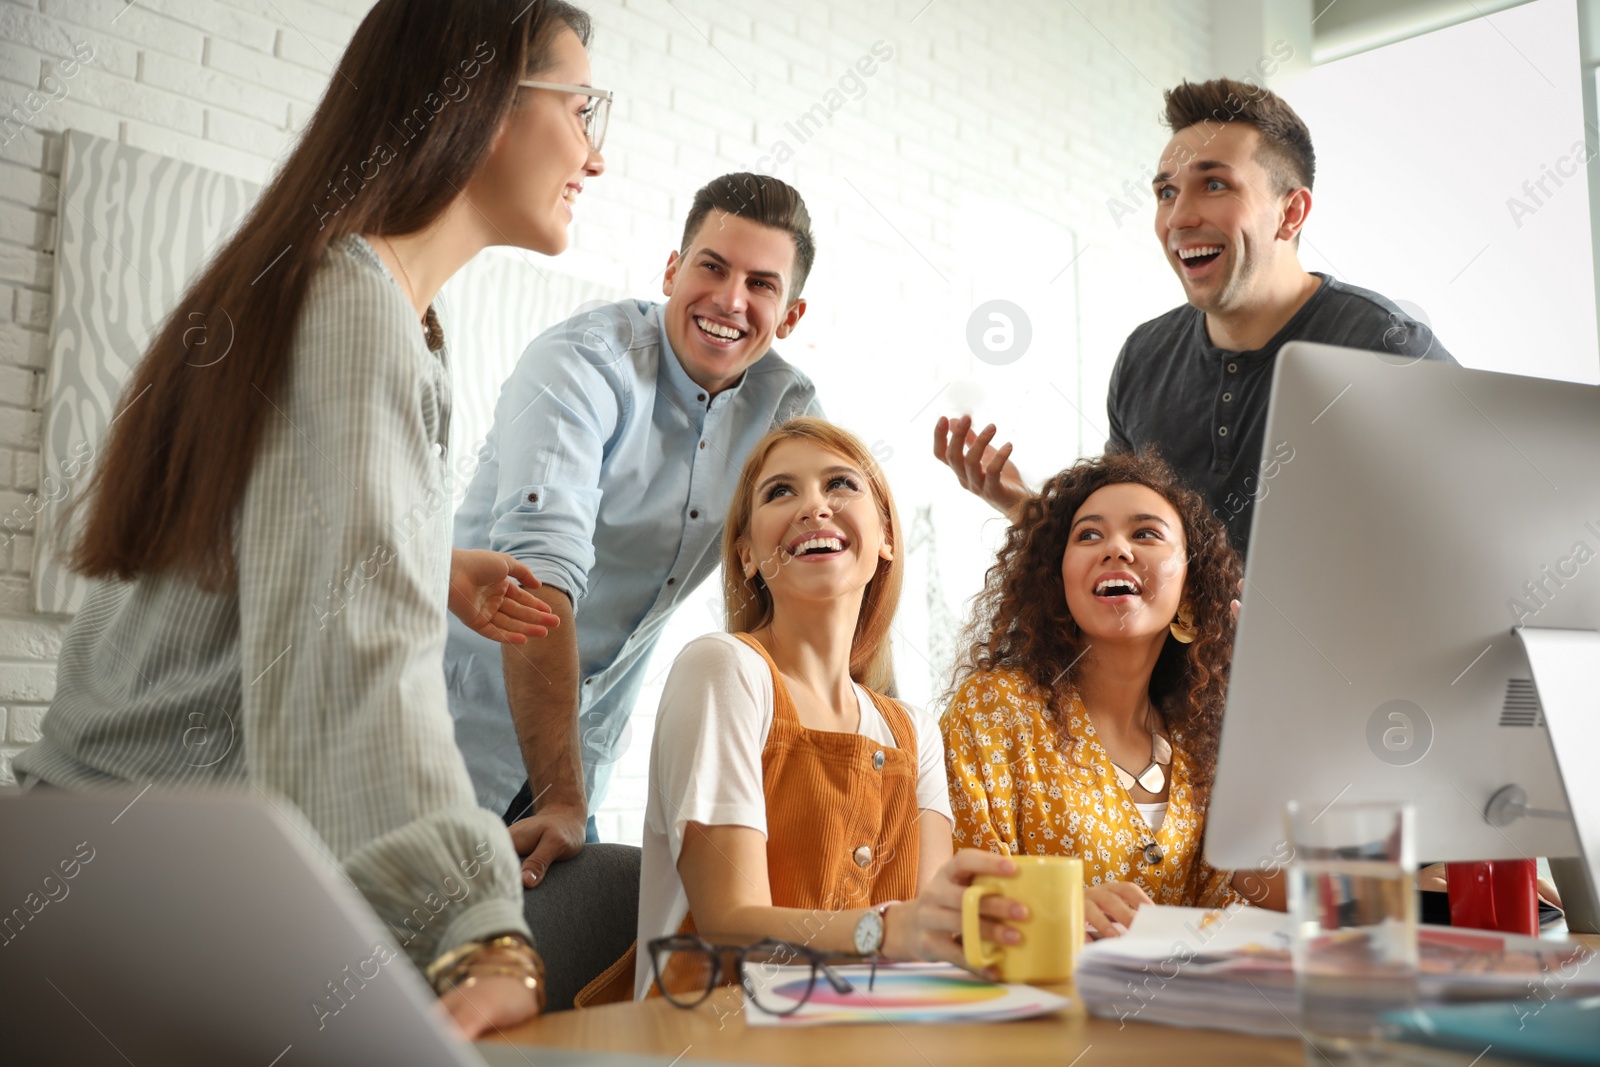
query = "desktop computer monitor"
x=1421 y=613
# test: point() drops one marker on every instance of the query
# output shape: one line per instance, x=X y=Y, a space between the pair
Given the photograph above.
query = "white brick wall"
x=1030 y=104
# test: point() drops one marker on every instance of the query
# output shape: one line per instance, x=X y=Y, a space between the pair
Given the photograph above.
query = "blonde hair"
x=749 y=602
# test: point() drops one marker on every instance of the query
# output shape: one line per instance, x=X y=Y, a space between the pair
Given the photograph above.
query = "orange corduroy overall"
x=841 y=819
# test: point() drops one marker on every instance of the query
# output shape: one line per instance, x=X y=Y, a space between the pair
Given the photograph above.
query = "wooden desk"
x=716 y=1031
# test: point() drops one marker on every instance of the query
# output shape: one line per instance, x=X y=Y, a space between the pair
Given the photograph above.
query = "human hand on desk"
x=491 y=593
x=929 y=927
x=1108 y=907
x=489 y=997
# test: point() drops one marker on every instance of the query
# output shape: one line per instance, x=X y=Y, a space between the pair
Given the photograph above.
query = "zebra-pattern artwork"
x=134 y=229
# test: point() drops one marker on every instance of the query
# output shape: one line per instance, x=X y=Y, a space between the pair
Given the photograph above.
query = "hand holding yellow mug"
x=1052 y=889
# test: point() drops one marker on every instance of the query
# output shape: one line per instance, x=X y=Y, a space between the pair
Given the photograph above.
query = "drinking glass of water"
x=1354 y=905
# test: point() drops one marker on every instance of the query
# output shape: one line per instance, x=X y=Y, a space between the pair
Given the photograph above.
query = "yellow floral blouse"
x=1014 y=790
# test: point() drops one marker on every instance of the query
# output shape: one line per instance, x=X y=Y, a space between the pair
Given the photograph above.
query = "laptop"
x=202 y=928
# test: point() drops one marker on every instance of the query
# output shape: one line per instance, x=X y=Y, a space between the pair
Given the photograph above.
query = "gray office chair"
x=584 y=917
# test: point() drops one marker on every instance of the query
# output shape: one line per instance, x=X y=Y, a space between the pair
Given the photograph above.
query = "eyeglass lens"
x=595 y=121
x=686 y=973
x=778 y=978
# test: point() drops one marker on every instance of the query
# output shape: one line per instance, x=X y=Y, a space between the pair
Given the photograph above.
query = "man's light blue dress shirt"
x=609 y=472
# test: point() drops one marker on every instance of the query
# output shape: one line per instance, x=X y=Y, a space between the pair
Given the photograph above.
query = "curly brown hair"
x=1022 y=623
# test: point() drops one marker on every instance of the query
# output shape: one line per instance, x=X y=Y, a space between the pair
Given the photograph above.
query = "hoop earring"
x=1182 y=627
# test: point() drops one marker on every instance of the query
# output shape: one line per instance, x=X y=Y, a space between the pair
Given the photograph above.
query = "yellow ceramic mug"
x=1052 y=934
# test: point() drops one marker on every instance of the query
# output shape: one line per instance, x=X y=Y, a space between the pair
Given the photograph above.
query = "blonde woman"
x=790 y=798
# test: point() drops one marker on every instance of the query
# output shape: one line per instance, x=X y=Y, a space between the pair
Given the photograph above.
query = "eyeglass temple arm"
x=840 y=984
x=584 y=90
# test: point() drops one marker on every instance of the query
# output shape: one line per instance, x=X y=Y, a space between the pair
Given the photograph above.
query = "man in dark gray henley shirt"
x=1232 y=193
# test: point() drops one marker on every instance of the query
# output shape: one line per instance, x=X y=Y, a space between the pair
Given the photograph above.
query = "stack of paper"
x=1232 y=970
x=919 y=993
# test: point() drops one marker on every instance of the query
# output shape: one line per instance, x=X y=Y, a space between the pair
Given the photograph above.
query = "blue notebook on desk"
x=1563 y=1031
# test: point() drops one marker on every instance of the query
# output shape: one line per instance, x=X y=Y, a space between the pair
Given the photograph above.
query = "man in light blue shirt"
x=610 y=467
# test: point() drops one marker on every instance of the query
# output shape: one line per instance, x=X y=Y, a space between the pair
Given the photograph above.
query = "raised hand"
x=982 y=469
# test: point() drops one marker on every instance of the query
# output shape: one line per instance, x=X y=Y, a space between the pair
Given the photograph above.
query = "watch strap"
x=883 y=922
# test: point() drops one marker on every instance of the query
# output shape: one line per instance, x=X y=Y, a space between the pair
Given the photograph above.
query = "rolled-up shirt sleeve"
x=552 y=424
x=343 y=555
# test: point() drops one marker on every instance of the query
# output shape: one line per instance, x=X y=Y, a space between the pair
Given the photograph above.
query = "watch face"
x=869 y=933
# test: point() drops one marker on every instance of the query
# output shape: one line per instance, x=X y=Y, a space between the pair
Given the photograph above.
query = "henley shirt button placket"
x=1233 y=368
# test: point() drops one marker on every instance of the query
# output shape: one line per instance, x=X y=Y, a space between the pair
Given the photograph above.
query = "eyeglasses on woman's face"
x=595 y=116
x=687 y=970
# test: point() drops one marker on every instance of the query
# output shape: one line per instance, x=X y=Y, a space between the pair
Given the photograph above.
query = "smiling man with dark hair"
x=1233 y=192
x=616 y=445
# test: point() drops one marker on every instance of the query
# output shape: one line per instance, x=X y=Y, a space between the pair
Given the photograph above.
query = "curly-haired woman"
x=1088 y=706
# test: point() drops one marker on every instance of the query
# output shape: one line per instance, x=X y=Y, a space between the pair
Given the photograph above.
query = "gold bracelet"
x=451 y=961
x=452 y=969
x=530 y=975
x=439 y=966
x=458 y=960
x=531 y=981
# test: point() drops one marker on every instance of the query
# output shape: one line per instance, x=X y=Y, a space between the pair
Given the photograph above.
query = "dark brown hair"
x=764 y=199
x=1285 y=141
x=1022 y=622
x=393 y=141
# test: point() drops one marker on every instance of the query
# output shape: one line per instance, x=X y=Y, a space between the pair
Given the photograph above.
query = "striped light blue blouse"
x=318 y=680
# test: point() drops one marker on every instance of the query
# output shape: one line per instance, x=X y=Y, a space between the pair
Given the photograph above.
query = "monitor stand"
x=1566 y=674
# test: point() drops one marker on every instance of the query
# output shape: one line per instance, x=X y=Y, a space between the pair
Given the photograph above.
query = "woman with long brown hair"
x=269 y=527
x=1088 y=706
x=789 y=798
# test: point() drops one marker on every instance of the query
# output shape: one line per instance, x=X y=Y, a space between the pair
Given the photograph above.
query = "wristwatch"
x=869 y=929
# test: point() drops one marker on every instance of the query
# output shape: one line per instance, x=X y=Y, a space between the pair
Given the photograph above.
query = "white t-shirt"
x=705 y=767
x=1154 y=814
